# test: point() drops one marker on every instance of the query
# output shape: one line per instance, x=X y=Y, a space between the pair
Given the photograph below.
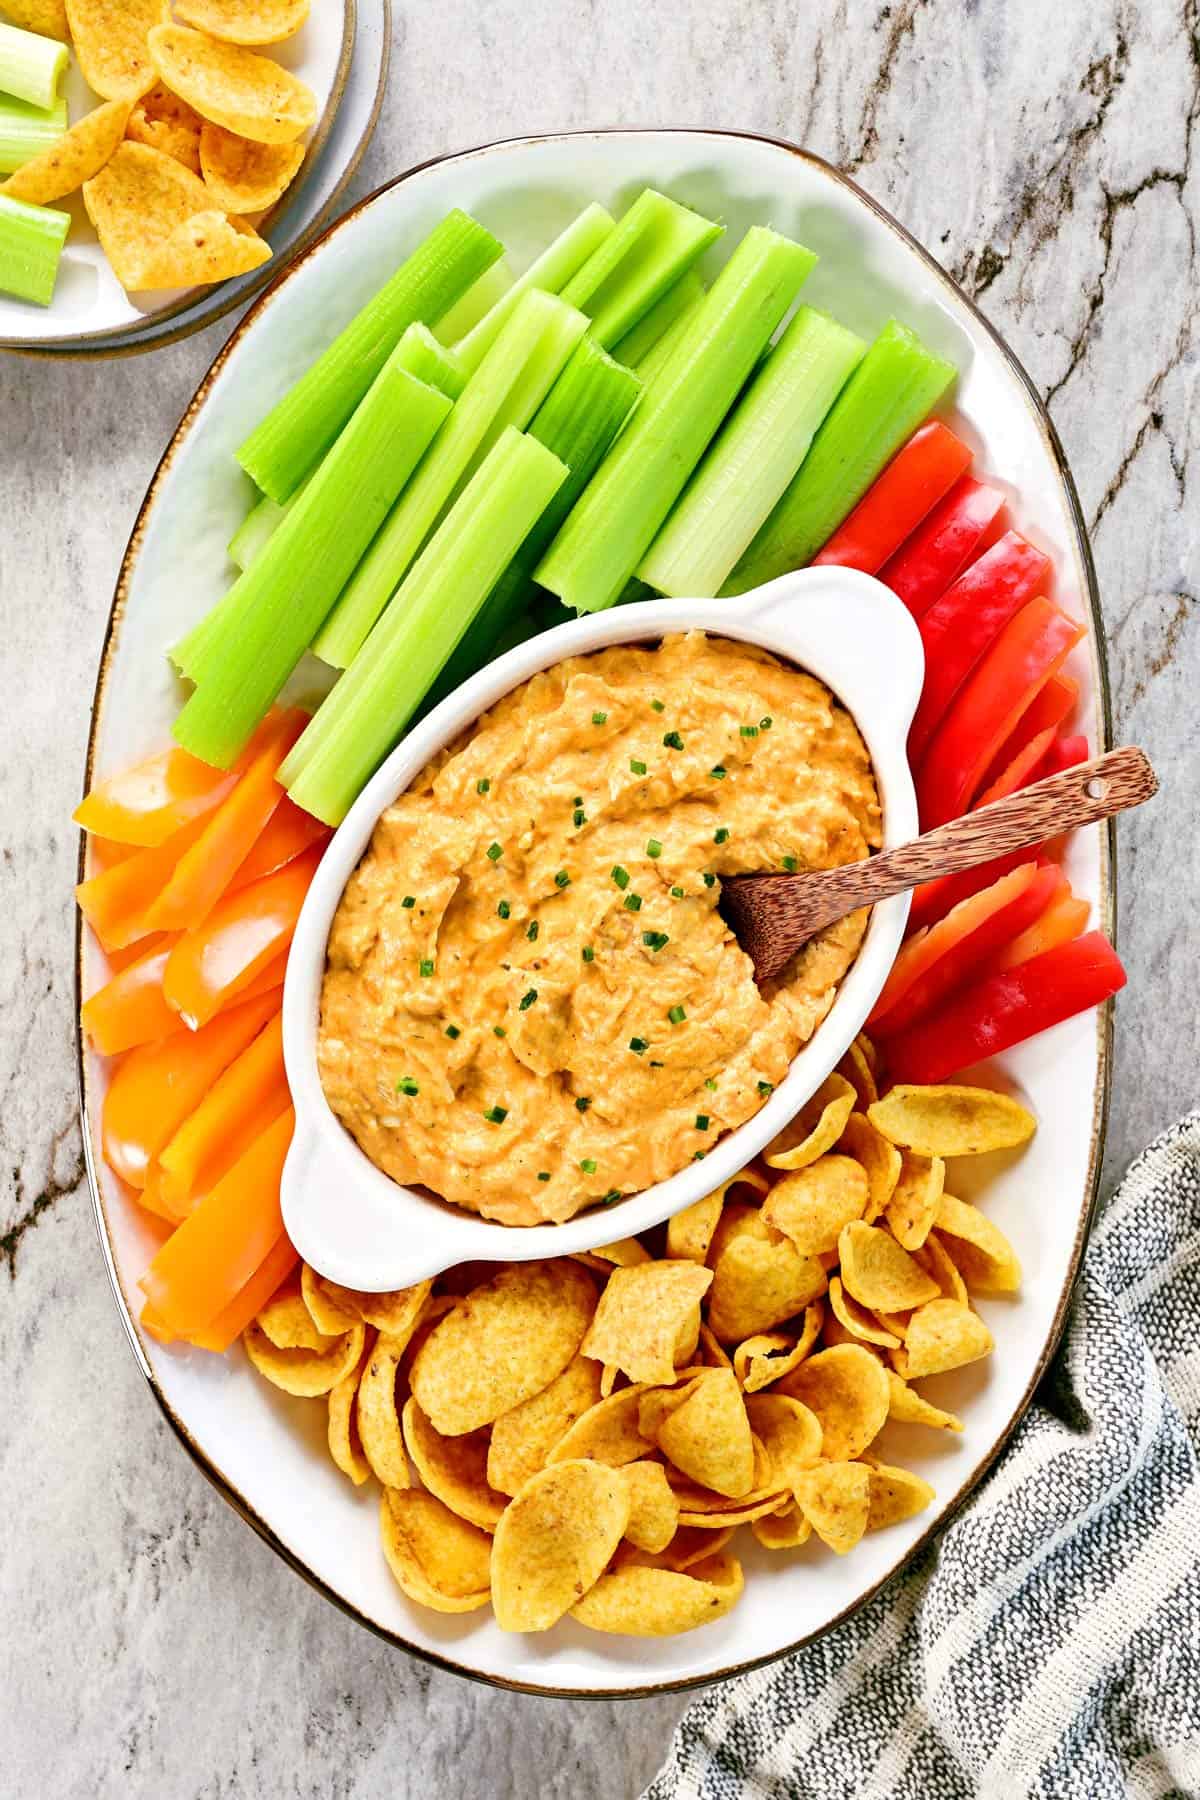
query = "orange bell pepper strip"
x=920 y=473
x=151 y=1196
x=1046 y=712
x=229 y=1325
x=934 y=962
x=130 y=1009
x=158 y=1085
x=290 y=832
x=106 y=853
x=1031 y=648
x=205 y=1265
x=115 y=901
x=148 y=803
x=155 y=1327
x=249 y=1094
x=1063 y=920
x=246 y=931
x=1026 y=766
x=208 y=866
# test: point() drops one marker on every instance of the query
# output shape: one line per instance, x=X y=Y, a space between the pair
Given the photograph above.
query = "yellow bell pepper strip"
x=208 y=867
x=158 y=1085
x=205 y=1265
x=244 y=934
x=149 y=802
x=250 y=1093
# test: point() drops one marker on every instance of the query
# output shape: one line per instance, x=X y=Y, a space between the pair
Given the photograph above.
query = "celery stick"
x=479 y=299
x=254 y=532
x=578 y=420
x=273 y=610
x=507 y=388
x=31 y=241
x=31 y=67
x=26 y=131
x=754 y=456
x=655 y=243
x=680 y=298
x=299 y=429
x=371 y=704
x=615 y=519
x=550 y=273
x=658 y=355
x=895 y=385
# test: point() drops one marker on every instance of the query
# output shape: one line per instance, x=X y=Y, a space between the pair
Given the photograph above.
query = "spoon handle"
x=1079 y=796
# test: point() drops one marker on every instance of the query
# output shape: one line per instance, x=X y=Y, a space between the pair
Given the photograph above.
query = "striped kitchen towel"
x=1049 y=1643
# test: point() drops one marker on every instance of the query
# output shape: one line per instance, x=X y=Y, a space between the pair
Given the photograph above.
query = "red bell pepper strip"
x=147 y=804
x=916 y=478
x=1025 y=767
x=1056 y=702
x=1063 y=919
x=244 y=933
x=941 y=547
x=1064 y=753
x=1031 y=648
x=961 y=627
x=1004 y=1009
x=932 y=965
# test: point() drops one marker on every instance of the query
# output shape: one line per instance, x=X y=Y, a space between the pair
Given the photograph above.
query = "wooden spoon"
x=773 y=916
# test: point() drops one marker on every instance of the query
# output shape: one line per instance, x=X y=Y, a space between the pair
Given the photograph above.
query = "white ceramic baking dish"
x=355 y=1224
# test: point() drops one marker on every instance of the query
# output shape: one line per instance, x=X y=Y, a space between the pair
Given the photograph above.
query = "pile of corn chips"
x=585 y=1435
x=197 y=130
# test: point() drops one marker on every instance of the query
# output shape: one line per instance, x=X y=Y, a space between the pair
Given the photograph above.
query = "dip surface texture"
x=531 y=1002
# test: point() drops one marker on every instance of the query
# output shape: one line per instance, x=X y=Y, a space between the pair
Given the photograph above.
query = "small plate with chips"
x=184 y=150
x=410 y=1453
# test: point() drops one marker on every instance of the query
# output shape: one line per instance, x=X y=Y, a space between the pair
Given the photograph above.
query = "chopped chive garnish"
x=583 y=1102
x=721 y=835
x=766 y=1087
x=588 y=1165
x=657 y=1065
x=673 y=741
x=701 y=1121
x=562 y=879
x=406 y=1085
x=531 y=931
x=612 y=1194
x=588 y=954
x=717 y=772
x=697 y=1156
x=658 y=706
x=677 y=1015
x=710 y=1083
x=748 y=730
x=638 y=768
x=578 y=800
x=765 y=723
x=579 y=817
x=633 y=903
x=409 y=901
x=620 y=875
x=527 y=1000
x=426 y=966
x=655 y=940
x=639 y=1046
x=495 y=852
x=482 y=785
x=499 y=1031
x=789 y=863
x=496 y=1115
x=504 y=909
x=599 y=718
x=543 y=1174
x=677 y=893
x=708 y=879
x=653 y=847
x=452 y=1031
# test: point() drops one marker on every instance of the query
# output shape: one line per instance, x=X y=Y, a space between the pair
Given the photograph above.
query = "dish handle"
x=853 y=633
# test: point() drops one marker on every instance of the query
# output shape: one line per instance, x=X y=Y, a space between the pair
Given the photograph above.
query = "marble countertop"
x=151 y=1644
